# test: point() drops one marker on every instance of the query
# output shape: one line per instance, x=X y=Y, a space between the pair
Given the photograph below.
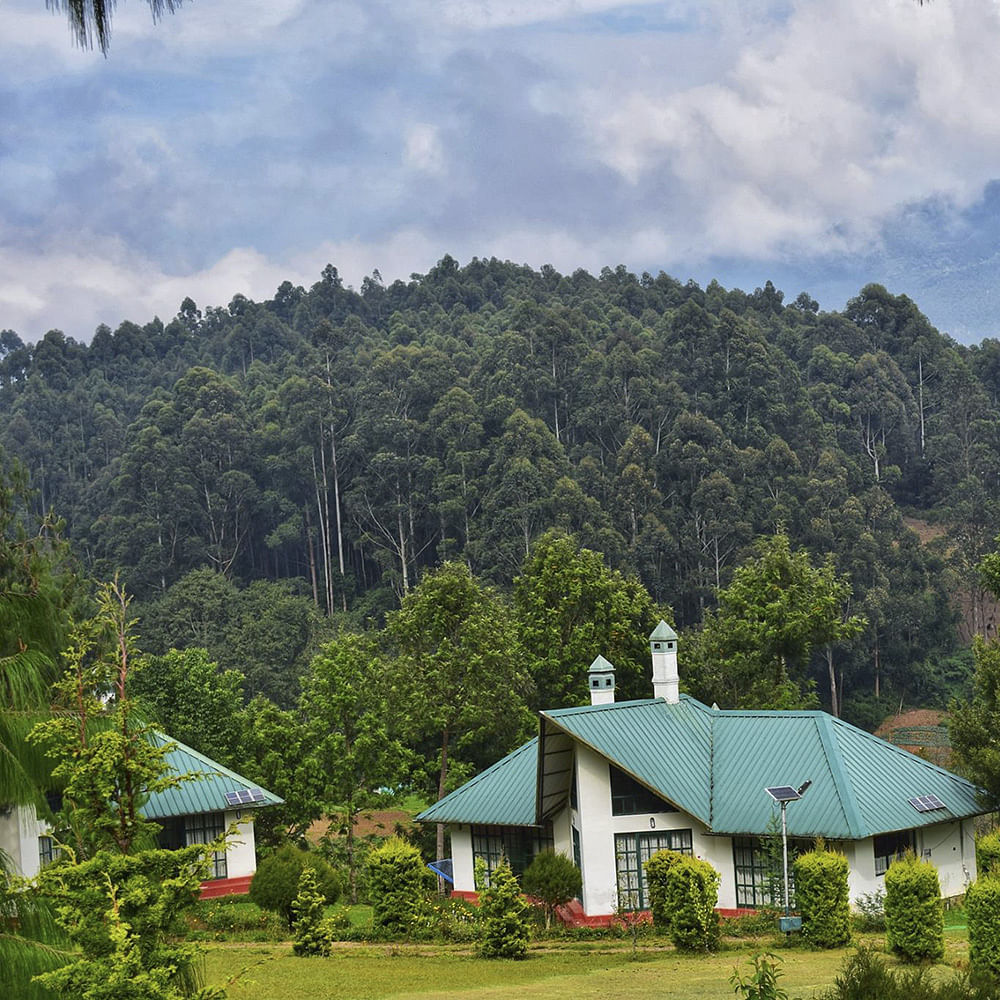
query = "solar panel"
x=244 y=796
x=783 y=793
x=926 y=803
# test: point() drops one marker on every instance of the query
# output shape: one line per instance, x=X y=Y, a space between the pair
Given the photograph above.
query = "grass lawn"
x=563 y=972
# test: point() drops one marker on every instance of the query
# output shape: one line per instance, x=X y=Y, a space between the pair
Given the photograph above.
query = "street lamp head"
x=804 y=786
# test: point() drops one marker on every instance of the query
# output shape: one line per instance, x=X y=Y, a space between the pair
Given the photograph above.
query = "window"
x=203 y=829
x=629 y=798
x=890 y=846
x=518 y=844
x=47 y=851
x=632 y=851
x=758 y=867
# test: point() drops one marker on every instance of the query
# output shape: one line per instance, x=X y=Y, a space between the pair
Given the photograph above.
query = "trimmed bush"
x=502 y=919
x=982 y=906
x=311 y=937
x=822 y=898
x=276 y=882
x=398 y=885
x=552 y=879
x=658 y=869
x=987 y=853
x=692 y=892
x=914 y=915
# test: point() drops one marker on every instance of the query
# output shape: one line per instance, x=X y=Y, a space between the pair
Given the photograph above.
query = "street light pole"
x=783 y=794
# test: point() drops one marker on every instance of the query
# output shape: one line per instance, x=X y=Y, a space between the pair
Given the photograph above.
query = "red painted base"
x=239 y=886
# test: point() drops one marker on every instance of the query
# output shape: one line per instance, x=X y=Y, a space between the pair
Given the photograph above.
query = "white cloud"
x=423 y=150
x=850 y=112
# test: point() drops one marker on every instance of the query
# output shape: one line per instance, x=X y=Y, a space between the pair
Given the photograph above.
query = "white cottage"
x=611 y=783
x=193 y=812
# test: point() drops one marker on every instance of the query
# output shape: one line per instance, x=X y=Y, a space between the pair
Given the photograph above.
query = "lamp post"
x=783 y=794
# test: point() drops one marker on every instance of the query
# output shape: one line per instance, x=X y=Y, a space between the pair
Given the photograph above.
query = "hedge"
x=822 y=898
x=914 y=915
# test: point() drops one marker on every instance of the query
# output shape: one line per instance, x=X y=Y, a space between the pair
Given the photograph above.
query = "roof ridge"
x=841 y=779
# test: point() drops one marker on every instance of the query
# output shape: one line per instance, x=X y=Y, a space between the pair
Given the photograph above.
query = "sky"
x=819 y=144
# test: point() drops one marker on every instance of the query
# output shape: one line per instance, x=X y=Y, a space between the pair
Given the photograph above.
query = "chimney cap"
x=662 y=633
x=601 y=666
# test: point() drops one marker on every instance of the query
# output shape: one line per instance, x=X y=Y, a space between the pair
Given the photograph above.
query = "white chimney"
x=602 y=682
x=663 y=647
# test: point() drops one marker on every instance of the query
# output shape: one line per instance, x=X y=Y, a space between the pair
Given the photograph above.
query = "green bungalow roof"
x=717 y=764
x=502 y=795
x=206 y=792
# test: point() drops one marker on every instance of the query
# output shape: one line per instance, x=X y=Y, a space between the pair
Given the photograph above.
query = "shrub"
x=822 y=898
x=914 y=916
x=276 y=881
x=865 y=976
x=658 y=869
x=238 y=917
x=502 y=920
x=762 y=983
x=398 y=884
x=310 y=935
x=692 y=891
x=871 y=911
x=982 y=906
x=987 y=852
x=552 y=879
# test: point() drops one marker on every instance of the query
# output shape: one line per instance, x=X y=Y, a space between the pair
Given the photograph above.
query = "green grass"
x=562 y=972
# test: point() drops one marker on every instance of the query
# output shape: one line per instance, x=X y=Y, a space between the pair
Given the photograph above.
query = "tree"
x=501 y=918
x=117 y=898
x=754 y=651
x=352 y=754
x=187 y=695
x=107 y=760
x=973 y=724
x=572 y=608
x=458 y=676
x=554 y=880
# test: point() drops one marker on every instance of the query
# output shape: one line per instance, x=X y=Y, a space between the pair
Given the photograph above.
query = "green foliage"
x=972 y=725
x=107 y=759
x=762 y=982
x=125 y=914
x=236 y=918
x=503 y=929
x=570 y=608
x=982 y=905
x=691 y=892
x=398 y=886
x=658 y=869
x=754 y=651
x=186 y=694
x=987 y=852
x=821 y=897
x=352 y=754
x=914 y=916
x=311 y=937
x=552 y=879
x=275 y=883
x=865 y=976
x=871 y=911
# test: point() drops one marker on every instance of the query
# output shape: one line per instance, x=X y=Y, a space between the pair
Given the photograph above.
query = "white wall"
x=950 y=847
x=241 y=852
x=19 y=833
x=461 y=857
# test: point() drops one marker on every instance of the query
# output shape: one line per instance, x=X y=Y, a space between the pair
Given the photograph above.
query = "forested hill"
x=328 y=446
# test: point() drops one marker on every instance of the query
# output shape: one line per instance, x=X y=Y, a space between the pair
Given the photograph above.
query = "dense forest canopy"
x=263 y=473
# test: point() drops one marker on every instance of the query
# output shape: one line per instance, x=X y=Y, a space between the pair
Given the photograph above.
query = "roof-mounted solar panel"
x=244 y=796
x=926 y=803
x=783 y=793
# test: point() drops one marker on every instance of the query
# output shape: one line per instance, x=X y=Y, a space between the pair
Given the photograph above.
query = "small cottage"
x=193 y=812
x=611 y=783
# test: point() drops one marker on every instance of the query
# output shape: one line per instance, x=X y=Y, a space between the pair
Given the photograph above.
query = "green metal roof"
x=206 y=792
x=716 y=766
x=502 y=795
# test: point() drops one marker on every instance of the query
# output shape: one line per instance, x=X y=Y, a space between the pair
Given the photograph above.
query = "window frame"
x=639 y=846
x=204 y=828
x=901 y=840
